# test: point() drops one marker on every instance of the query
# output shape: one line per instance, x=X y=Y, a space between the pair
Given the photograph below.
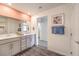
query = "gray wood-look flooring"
x=36 y=51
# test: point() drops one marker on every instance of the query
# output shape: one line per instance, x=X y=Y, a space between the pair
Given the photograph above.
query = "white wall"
x=75 y=31
x=59 y=43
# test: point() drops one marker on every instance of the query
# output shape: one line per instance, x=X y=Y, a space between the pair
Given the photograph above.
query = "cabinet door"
x=5 y=50
x=24 y=44
x=29 y=41
x=16 y=47
x=33 y=39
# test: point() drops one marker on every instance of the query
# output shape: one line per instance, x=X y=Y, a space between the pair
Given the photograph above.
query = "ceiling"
x=34 y=8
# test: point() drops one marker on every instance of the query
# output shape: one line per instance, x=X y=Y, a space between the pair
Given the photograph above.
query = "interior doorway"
x=42 y=23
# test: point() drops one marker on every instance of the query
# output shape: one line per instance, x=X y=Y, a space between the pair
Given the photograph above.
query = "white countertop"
x=12 y=35
x=7 y=36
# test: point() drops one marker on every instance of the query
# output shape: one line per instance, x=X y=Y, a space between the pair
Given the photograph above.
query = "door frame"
x=37 y=30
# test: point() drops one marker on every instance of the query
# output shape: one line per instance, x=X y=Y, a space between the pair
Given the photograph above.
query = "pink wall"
x=8 y=11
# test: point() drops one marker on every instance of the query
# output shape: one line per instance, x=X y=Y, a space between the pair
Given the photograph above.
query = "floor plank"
x=36 y=51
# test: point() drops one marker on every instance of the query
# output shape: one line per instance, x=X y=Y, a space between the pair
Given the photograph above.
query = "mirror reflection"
x=10 y=25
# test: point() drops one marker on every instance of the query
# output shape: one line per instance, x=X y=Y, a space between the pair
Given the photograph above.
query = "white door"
x=15 y=47
x=5 y=50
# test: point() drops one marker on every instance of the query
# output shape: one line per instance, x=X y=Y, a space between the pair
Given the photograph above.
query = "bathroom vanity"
x=11 y=44
x=15 y=36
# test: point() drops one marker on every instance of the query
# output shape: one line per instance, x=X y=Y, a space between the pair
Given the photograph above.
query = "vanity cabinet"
x=27 y=41
x=5 y=49
x=10 y=48
x=23 y=43
x=30 y=41
x=15 y=48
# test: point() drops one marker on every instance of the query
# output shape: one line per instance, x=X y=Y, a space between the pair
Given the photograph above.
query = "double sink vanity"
x=11 y=44
x=20 y=37
x=14 y=22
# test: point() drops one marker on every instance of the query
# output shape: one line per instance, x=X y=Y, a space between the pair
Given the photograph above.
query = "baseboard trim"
x=64 y=54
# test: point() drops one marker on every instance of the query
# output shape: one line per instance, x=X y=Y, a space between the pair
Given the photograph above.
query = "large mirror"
x=24 y=27
x=10 y=25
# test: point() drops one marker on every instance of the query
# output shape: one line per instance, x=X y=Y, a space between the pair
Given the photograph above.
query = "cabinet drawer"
x=23 y=48
x=23 y=43
x=24 y=40
x=16 y=47
x=5 y=50
x=24 y=37
x=29 y=40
